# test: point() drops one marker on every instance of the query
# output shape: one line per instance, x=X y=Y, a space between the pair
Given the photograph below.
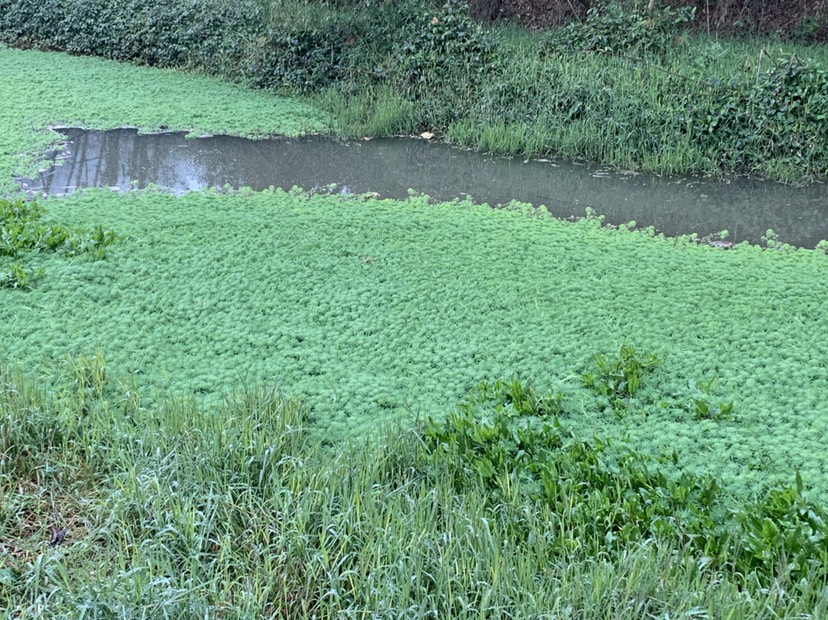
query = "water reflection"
x=747 y=208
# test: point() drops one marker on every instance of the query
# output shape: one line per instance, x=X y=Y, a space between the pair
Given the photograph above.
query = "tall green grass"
x=371 y=111
x=184 y=511
x=626 y=111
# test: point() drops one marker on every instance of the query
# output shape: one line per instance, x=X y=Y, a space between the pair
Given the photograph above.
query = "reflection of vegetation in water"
x=58 y=91
x=113 y=507
x=380 y=311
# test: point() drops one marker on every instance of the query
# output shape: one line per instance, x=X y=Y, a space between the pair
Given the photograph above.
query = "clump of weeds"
x=617 y=378
x=24 y=234
x=704 y=406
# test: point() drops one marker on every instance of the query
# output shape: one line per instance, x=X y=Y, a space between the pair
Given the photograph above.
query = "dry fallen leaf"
x=56 y=536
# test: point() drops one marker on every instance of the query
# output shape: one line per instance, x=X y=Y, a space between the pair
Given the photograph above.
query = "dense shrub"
x=439 y=43
x=782 y=115
x=196 y=33
x=620 y=29
x=304 y=58
x=441 y=61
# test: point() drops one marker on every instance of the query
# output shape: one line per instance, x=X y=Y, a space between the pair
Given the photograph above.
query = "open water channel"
x=123 y=159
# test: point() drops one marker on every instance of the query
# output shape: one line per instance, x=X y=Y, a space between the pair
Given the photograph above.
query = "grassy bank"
x=628 y=88
x=115 y=509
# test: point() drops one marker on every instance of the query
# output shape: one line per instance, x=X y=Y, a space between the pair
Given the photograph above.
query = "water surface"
x=747 y=208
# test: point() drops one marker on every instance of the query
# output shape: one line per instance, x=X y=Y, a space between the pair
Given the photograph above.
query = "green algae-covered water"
x=383 y=312
x=380 y=312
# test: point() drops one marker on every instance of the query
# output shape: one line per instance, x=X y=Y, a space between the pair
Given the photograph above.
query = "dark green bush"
x=782 y=115
x=439 y=43
x=624 y=30
x=305 y=58
x=201 y=33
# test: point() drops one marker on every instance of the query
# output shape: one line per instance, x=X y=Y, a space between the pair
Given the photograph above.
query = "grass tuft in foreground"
x=232 y=512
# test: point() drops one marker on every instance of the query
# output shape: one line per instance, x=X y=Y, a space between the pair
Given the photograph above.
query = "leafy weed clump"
x=779 y=115
x=619 y=29
x=19 y=277
x=618 y=378
x=23 y=234
x=704 y=408
x=606 y=497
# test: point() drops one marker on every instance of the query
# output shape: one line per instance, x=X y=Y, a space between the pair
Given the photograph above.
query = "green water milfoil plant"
x=24 y=234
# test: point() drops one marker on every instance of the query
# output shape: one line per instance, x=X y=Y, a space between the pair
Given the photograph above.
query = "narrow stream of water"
x=747 y=208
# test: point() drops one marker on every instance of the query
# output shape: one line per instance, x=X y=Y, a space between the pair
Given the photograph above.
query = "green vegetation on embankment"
x=181 y=488
x=625 y=86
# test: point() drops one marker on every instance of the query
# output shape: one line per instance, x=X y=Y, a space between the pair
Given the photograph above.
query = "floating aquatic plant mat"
x=382 y=312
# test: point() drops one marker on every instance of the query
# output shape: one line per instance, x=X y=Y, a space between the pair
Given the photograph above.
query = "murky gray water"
x=745 y=207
